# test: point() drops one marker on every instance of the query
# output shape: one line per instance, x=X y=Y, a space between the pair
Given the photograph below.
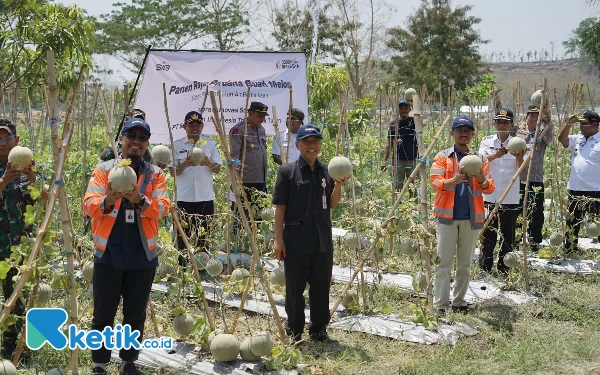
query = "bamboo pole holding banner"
x=278 y=135
x=289 y=128
x=387 y=220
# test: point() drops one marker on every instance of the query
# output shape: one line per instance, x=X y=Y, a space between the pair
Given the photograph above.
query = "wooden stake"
x=107 y=118
x=289 y=128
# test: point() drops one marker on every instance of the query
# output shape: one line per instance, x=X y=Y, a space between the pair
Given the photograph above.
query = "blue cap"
x=405 y=102
x=193 y=116
x=136 y=123
x=308 y=130
x=462 y=121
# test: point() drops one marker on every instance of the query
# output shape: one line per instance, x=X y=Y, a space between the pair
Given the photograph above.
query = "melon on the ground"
x=20 y=157
x=340 y=167
x=472 y=164
x=225 y=347
x=88 y=270
x=183 y=325
x=511 y=260
x=161 y=153
x=409 y=93
x=536 y=98
x=122 y=177
x=268 y=214
x=44 y=293
x=7 y=368
x=239 y=274
x=592 y=229
x=214 y=267
x=196 y=155
x=556 y=239
x=246 y=353
x=351 y=239
x=350 y=297
x=278 y=277
x=261 y=344
x=212 y=335
x=419 y=281
x=408 y=247
x=516 y=145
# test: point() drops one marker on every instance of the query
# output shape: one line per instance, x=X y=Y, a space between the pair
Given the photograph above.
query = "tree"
x=585 y=44
x=226 y=21
x=439 y=46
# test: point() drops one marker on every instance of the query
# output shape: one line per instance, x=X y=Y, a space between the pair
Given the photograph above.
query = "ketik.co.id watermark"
x=44 y=325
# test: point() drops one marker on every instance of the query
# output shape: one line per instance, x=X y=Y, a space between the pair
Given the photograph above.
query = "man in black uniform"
x=304 y=195
x=404 y=131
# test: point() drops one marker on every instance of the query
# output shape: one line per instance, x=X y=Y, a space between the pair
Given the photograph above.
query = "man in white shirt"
x=503 y=166
x=584 y=182
x=295 y=119
x=195 y=194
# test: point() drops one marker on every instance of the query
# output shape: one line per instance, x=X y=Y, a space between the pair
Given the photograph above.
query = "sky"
x=508 y=24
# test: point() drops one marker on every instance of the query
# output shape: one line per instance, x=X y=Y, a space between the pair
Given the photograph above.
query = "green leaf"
x=4 y=268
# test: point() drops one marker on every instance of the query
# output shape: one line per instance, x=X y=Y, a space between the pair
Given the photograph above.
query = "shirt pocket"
x=595 y=153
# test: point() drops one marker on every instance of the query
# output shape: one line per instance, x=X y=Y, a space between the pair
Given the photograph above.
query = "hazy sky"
x=508 y=24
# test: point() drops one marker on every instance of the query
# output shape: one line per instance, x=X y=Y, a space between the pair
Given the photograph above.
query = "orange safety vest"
x=151 y=182
x=445 y=166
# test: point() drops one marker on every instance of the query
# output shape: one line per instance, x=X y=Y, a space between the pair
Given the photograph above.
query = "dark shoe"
x=461 y=309
x=294 y=337
x=99 y=370
x=130 y=369
x=322 y=337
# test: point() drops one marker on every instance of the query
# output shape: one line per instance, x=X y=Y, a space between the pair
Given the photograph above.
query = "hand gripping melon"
x=536 y=98
x=183 y=325
x=592 y=229
x=516 y=145
x=350 y=297
x=7 y=368
x=340 y=167
x=88 y=270
x=409 y=93
x=408 y=247
x=197 y=155
x=55 y=371
x=225 y=347
x=239 y=274
x=246 y=353
x=122 y=177
x=278 y=277
x=556 y=239
x=162 y=154
x=20 y=157
x=511 y=260
x=472 y=164
x=261 y=344
x=44 y=293
x=268 y=214
x=419 y=281
x=214 y=267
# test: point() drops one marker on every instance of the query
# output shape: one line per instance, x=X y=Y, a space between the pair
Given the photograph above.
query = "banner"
x=187 y=75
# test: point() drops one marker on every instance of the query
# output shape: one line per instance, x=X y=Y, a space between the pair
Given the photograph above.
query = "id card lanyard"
x=324 y=197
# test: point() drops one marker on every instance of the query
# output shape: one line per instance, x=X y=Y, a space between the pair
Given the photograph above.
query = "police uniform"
x=306 y=195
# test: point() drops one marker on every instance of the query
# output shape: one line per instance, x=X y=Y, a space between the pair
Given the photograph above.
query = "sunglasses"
x=134 y=136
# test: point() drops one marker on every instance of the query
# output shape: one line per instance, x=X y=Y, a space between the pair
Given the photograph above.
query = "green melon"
x=88 y=271
x=472 y=164
x=214 y=267
x=20 y=157
x=419 y=281
x=246 y=353
x=261 y=344
x=268 y=214
x=225 y=347
x=223 y=246
x=340 y=167
x=212 y=335
x=511 y=260
x=196 y=155
x=350 y=297
x=403 y=224
x=240 y=274
x=55 y=371
x=278 y=277
x=592 y=229
x=556 y=239
x=408 y=246
x=165 y=270
x=269 y=237
x=122 y=177
x=202 y=259
x=44 y=293
x=161 y=153
x=183 y=325
x=409 y=93
x=351 y=239
x=536 y=98
x=7 y=368
x=516 y=145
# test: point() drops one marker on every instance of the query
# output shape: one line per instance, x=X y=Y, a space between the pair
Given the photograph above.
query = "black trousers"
x=506 y=219
x=316 y=270
x=535 y=210
x=579 y=205
x=196 y=215
x=109 y=285
x=9 y=337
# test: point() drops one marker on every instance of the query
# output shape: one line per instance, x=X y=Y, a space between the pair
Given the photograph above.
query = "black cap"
x=193 y=116
x=259 y=108
x=404 y=102
x=308 y=130
x=8 y=125
x=504 y=114
x=298 y=113
x=136 y=123
x=533 y=109
x=462 y=121
x=590 y=116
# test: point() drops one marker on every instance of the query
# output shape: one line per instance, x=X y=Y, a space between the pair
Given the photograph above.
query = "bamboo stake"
x=278 y=135
x=84 y=141
x=287 y=151
x=153 y=316
x=171 y=142
x=387 y=220
x=30 y=304
x=245 y=132
x=107 y=118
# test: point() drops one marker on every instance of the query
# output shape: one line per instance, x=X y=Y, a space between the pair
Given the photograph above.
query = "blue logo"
x=44 y=326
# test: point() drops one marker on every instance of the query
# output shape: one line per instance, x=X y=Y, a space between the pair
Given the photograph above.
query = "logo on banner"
x=287 y=64
x=163 y=66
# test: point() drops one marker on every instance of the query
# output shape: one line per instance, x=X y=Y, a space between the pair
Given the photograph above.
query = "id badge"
x=129 y=218
x=324 y=201
x=487 y=211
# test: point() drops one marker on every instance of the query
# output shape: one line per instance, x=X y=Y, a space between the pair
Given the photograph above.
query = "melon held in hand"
x=516 y=145
x=409 y=93
x=536 y=98
x=340 y=167
x=122 y=177
x=197 y=155
x=161 y=154
x=472 y=164
x=20 y=157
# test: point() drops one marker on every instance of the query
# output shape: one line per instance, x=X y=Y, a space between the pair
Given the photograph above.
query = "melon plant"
x=592 y=229
x=472 y=164
x=161 y=153
x=556 y=239
x=183 y=325
x=516 y=145
x=350 y=298
x=340 y=167
x=351 y=239
x=202 y=259
x=122 y=177
x=548 y=194
x=7 y=368
x=536 y=98
x=55 y=371
x=419 y=281
x=165 y=270
x=225 y=347
x=197 y=155
x=379 y=254
x=261 y=344
x=268 y=214
x=246 y=353
x=403 y=224
x=409 y=93
x=408 y=246
x=214 y=267
x=20 y=157
x=511 y=260
x=88 y=271
x=278 y=277
x=239 y=274
x=44 y=293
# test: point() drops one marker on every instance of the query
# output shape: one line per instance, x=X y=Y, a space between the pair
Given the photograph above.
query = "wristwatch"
x=142 y=200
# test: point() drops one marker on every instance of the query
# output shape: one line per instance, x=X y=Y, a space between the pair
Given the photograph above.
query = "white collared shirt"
x=585 y=163
x=502 y=169
x=294 y=153
x=195 y=183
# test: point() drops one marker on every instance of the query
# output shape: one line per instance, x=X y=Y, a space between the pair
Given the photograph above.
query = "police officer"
x=295 y=119
x=535 y=195
x=303 y=197
x=584 y=182
x=125 y=229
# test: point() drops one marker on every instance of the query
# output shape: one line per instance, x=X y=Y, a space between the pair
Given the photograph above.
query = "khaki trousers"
x=456 y=239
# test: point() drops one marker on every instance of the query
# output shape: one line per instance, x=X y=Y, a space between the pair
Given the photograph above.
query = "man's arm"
x=336 y=194
x=278 y=244
x=563 y=137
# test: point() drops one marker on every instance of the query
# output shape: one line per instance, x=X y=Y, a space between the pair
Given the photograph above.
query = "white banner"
x=187 y=75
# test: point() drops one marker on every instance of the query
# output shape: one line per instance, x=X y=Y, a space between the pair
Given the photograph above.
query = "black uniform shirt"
x=307 y=226
x=407 y=141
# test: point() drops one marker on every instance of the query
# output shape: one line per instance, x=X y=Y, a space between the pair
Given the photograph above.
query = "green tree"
x=585 y=44
x=439 y=45
x=225 y=21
